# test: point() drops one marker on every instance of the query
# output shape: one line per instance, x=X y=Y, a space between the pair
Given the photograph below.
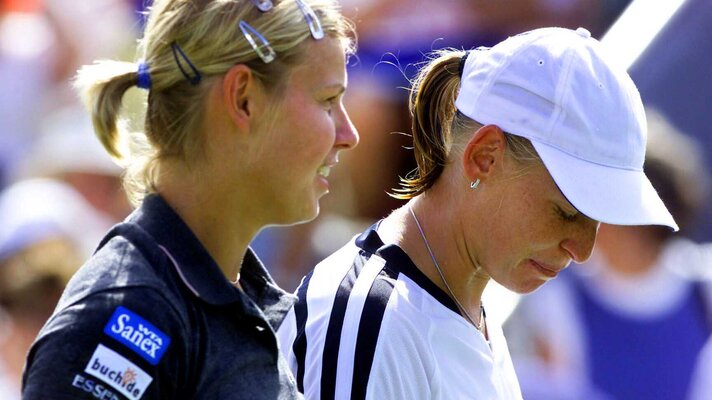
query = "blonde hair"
x=436 y=121
x=207 y=32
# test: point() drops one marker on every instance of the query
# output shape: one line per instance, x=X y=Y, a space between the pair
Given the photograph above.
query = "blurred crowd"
x=59 y=192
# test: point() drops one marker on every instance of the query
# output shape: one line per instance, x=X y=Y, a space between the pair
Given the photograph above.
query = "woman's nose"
x=579 y=244
x=346 y=133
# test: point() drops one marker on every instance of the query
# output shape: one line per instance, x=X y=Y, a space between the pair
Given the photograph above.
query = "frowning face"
x=532 y=232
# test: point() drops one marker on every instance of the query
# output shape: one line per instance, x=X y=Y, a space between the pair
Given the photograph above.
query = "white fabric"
x=424 y=349
x=347 y=349
x=583 y=115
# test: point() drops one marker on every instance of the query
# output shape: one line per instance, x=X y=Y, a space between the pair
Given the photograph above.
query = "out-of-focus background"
x=59 y=191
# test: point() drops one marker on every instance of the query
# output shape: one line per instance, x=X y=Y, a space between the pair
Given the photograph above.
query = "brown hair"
x=436 y=122
x=207 y=32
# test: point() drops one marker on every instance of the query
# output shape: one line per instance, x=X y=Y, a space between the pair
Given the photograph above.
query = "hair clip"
x=263 y=5
x=264 y=50
x=195 y=79
x=312 y=20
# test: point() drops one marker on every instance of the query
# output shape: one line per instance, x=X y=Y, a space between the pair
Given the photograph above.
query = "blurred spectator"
x=631 y=323
x=41 y=44
x=31 y=208
x=42 y=243
x=68 y=150
x=679 y=88
x=32 y=59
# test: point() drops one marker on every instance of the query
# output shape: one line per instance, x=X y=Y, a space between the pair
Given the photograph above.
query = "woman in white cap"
x=522 y=149
x=244 y=122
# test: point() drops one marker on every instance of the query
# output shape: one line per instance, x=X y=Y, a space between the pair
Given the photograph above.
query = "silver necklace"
x=440 y=272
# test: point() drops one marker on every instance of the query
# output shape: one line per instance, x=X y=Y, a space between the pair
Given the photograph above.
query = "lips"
x=545 y=269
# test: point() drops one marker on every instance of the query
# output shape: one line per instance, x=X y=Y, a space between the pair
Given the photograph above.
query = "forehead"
x=324 y=64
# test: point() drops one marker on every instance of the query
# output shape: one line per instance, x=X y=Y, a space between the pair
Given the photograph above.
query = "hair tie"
x=144 y=76
x=461 y=68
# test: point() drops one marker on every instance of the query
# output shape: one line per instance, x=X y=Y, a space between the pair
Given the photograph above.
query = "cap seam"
x=500 y=70
x=583 y=159
x=561 y=91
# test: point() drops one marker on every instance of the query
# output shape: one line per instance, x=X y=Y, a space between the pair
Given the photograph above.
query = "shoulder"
x=119 y=312
x=128 y=270
x=105 y=334
x=688 y=258
x=126 y=258
x=366 y=323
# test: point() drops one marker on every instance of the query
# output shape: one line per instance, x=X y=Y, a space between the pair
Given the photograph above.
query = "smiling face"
x=307 y=130
x=532 y=232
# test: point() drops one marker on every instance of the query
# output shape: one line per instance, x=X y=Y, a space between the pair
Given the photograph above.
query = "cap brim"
x=607 y=194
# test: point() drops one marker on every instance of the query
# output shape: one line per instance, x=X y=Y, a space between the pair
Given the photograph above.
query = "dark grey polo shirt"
x=151 y=316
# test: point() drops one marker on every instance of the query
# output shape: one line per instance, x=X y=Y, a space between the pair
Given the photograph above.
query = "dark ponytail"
x=432 y=107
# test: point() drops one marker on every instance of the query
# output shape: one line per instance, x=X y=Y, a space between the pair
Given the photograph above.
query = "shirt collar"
x=200 y=273
x=398 y=261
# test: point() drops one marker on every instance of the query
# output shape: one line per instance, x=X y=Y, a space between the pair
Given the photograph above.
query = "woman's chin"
x=302 y=216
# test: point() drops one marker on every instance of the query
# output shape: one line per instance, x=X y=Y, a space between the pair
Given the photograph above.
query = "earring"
x=473 y=185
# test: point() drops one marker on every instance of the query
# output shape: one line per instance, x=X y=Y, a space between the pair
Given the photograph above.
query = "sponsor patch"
x=118 y=372
x=95 y=389
x=137 y=334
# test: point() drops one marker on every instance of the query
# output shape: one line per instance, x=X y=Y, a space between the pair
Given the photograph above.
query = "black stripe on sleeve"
x=330 y=357
x=368 y=330
x=300 y=341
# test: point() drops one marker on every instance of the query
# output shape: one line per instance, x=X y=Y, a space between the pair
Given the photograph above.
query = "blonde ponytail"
x=102 y=86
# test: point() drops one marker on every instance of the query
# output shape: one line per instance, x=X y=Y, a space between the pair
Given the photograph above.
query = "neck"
x=466 y=281
x=220 y=222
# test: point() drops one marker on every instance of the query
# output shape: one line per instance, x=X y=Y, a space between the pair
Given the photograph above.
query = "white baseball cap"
x=584 y=116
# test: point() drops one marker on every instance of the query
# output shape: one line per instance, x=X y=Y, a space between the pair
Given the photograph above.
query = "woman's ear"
x=484 y=152
x=239 y=93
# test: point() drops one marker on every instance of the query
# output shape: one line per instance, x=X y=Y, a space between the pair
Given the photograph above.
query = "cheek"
x=312 y=132
x=511 y=235
x=509 y=248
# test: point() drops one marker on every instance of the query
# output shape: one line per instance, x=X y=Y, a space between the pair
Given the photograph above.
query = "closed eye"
x=331 y=96
x=332 y=102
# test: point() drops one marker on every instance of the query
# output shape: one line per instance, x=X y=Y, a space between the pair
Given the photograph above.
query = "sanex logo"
x=137 y=334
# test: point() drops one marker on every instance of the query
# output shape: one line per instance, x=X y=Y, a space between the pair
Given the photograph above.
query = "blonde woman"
x=244 y=121
x=521 y=149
